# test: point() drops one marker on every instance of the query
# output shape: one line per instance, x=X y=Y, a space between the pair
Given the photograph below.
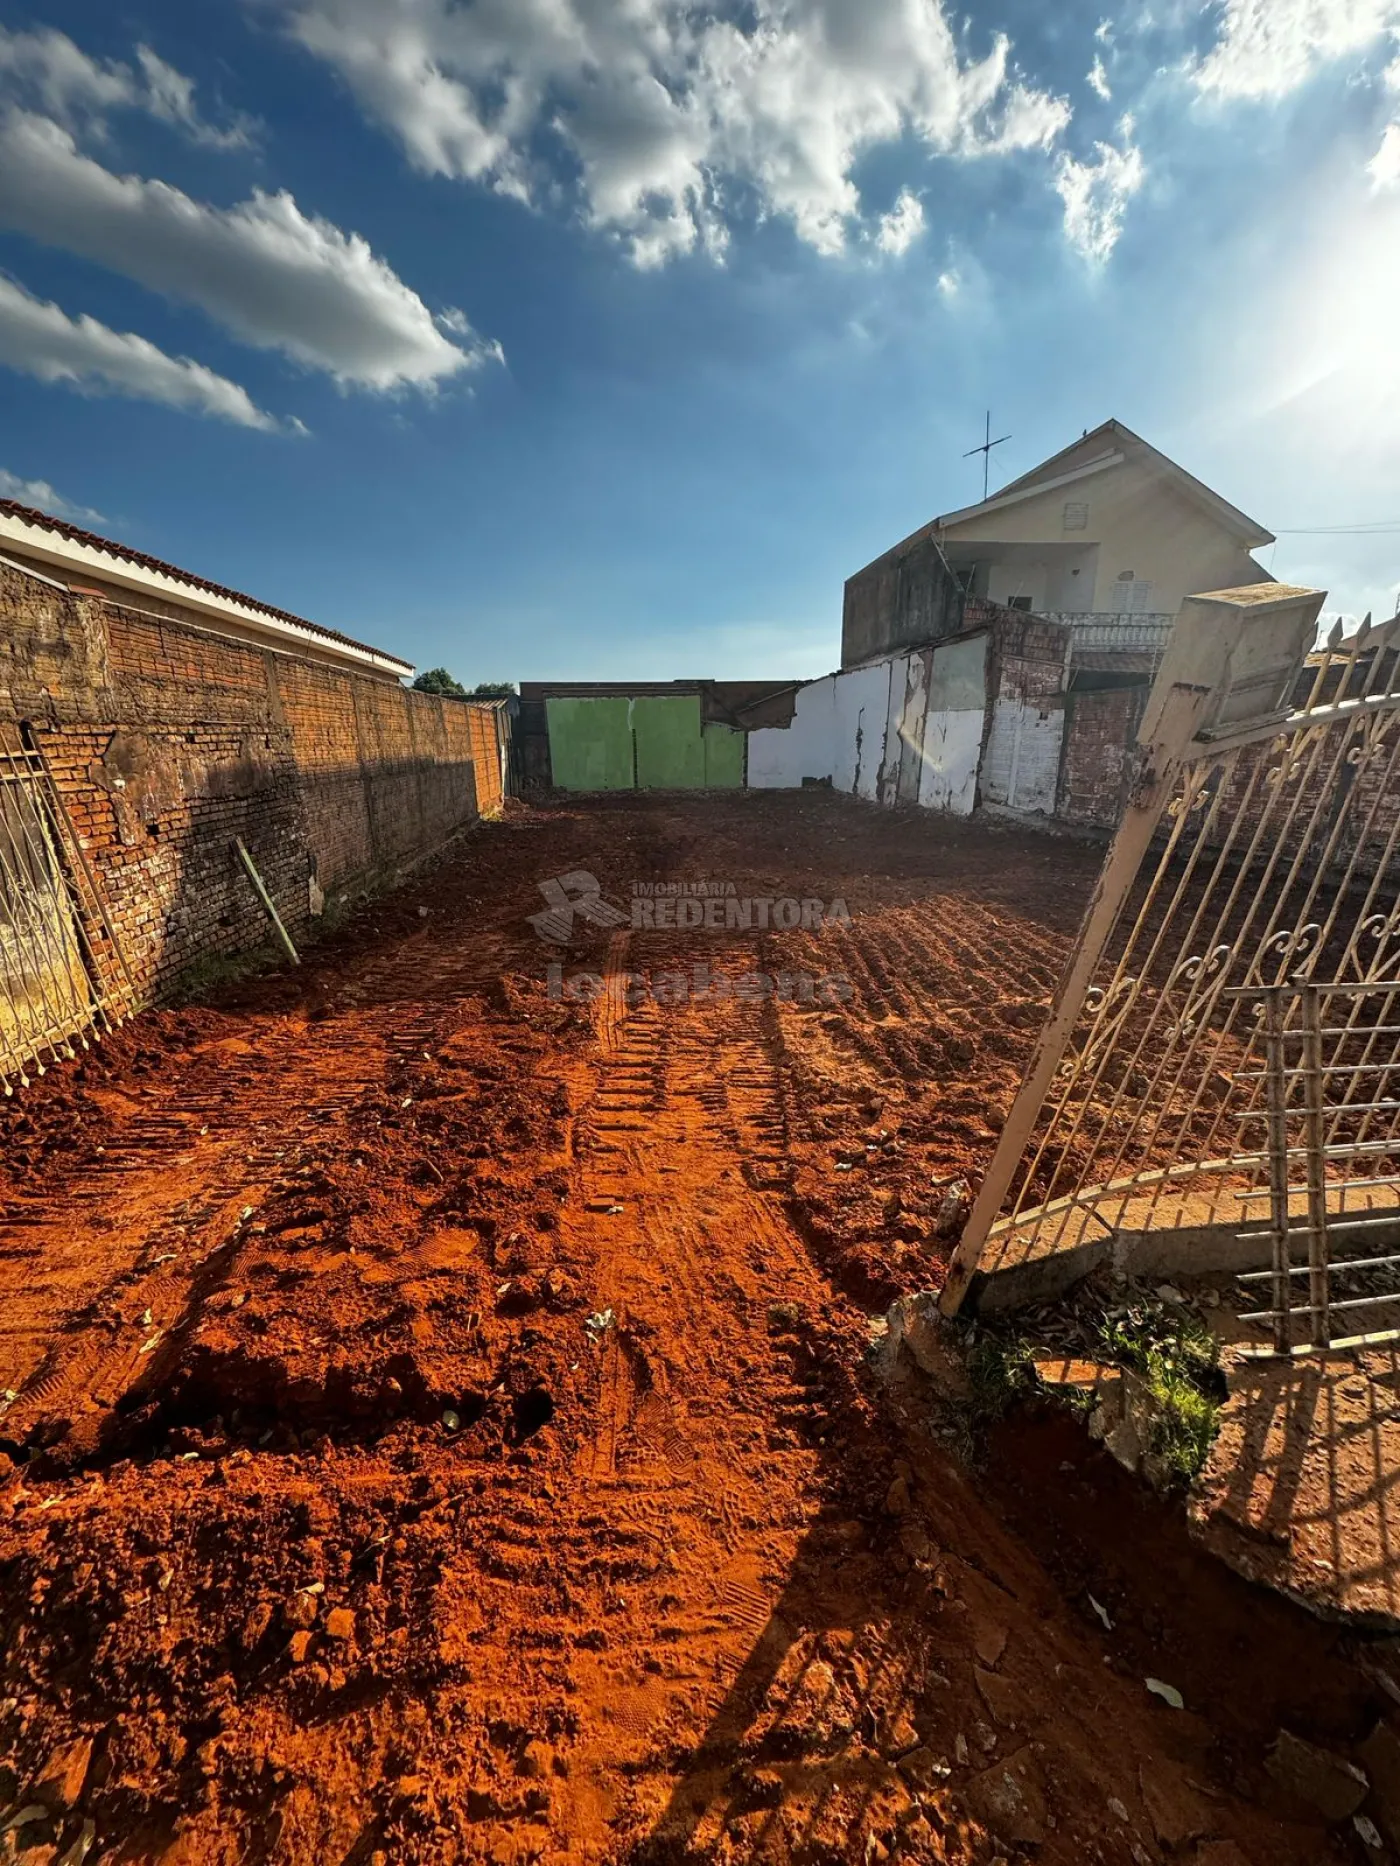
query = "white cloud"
x=671 y=111
x=950 y=282
x=1098 y=80
x=1384 y=166
x=41 y=340
x=39 y=493
x=269 y=274
x=901 y=226
x=169 y=95
x=1096 y=194
x=45 y=67
x=1267 y=48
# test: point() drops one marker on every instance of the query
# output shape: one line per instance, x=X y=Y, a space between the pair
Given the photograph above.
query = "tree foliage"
x=438 y=680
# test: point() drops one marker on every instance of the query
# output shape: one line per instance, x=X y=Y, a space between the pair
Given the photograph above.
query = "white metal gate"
x=1253 y=882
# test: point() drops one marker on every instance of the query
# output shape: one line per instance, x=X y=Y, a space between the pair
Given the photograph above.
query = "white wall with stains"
x=951 y=748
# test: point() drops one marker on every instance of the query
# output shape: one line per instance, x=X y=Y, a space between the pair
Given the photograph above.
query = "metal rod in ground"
x=1315 y=1127
x=1278 y=1165
x=267 y=901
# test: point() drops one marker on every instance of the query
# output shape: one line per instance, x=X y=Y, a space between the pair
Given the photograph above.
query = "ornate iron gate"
x=62 y=975
x=1329 y=1114
x=1252 y=886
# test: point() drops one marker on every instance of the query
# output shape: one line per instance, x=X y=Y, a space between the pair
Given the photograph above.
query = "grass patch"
x=1179 y=1360
x=999 y=1372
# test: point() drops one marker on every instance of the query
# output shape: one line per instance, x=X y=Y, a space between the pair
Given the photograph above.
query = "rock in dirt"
x=999 y=1695
x=1218 y=1853
x=536 y=1761
x=1313 y=1777
x=59 y=1784
x=81 y=1847
x=914 y=1332
x=988 y=1641
x=1178 y=1817
x=1009 y=1799
x=299 y=1646
x=898 y=1735
x=300 y=1610
x=340 y=1623
x=922 y=1765
x=1124 y=1416
x=1381 y=1755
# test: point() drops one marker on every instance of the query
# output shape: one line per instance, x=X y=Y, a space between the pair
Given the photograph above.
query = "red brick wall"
x=1100 y=739
x=166 y=743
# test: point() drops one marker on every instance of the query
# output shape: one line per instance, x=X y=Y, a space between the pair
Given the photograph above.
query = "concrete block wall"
x=167 y=742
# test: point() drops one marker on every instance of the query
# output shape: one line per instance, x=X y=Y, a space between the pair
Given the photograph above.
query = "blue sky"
x=586 y=337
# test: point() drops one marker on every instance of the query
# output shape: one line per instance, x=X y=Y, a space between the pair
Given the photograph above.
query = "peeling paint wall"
x=1021 y=766
x=955 y=719
x=862 y=700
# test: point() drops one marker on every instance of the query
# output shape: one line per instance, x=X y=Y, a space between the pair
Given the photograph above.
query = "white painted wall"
x=886 y=730
x=838 y=731
x=862 y=709
x=952 y=738
x=1023 y=755
x=780 y=757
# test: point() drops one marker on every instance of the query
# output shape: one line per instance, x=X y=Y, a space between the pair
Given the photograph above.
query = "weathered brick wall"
x=1101 y=728
x=167 y=743
x=1026 y=673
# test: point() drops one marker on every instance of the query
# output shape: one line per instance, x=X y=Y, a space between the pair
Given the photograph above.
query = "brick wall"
x=167 y=742
x=1100 y=743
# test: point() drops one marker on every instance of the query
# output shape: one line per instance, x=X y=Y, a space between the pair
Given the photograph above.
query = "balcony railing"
x=1111 y=640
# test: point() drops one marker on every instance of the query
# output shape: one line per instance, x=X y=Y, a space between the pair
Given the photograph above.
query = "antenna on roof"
x=986 y=452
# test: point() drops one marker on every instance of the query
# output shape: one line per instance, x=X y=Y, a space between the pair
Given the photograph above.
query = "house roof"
x=1107 y=446
x=72 y=548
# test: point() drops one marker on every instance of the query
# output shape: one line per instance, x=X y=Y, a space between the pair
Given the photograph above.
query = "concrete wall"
x=976 y=718
x=837 y=736
x=166 y=743
x=905 y=597
x=950 y=749
x=1154 y=544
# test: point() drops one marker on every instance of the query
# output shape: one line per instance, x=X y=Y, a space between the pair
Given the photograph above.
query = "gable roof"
x=71 y=548
x=1105 y=447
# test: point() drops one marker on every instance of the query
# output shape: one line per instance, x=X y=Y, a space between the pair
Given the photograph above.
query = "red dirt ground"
x=442 y=1428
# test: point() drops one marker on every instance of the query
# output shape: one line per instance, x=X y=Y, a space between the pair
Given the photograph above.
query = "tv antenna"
x=986 y=452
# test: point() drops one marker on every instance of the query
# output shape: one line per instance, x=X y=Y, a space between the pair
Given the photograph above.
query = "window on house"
x=1019 y=602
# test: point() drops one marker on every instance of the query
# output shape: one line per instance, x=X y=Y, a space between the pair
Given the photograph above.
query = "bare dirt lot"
x=440 y=1428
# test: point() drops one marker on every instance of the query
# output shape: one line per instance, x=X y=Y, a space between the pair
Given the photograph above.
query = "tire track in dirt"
x=679 y=1151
